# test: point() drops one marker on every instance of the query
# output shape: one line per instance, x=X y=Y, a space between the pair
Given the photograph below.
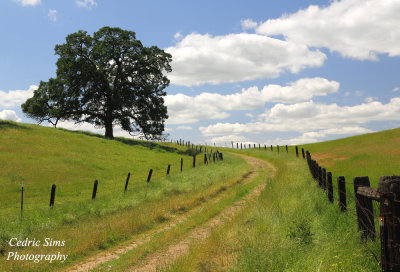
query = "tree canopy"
x=107 y=79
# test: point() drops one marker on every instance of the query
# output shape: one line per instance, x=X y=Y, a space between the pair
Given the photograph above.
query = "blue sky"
x=269 y=72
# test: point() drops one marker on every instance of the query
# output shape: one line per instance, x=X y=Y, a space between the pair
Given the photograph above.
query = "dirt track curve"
x=165 y=256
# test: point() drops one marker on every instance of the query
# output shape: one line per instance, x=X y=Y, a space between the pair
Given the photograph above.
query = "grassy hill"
x=292 y=226
x=373 y=155
x=42 y=156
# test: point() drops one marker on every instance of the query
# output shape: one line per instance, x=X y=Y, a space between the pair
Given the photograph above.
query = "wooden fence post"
x=297 y=151
x=22 y=198
x=221 y=157
x=330 y=186
x=320 y=176
x=265 y=147
x=271 y=148
x=127 y=181
x=149 y=176
x=237 y=145
x=342 y=193
x=365 y=213
x=277 y=148
x=241 y=146
x=302 y=151
x=52 y=195
x=94 y=189
x=286 y=149
x=194 y=161
x=205 y=158
x=254 y=146
x=249 y=146
x=168 y=169
x=181 y=164
x=389 y=189
x=324 y=178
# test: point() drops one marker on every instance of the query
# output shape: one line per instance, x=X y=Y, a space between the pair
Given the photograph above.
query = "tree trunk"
x=109 y=130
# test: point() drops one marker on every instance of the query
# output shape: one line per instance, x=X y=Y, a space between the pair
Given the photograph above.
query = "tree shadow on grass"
x=11 y=125
x=132 y=142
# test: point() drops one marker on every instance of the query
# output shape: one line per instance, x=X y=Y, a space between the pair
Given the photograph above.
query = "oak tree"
x=108 y=79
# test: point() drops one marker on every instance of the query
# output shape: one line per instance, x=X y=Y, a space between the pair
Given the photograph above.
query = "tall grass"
x=73 y=161
x=290 y=227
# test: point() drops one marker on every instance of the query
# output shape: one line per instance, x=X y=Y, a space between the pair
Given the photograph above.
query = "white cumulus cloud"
x=309 y=116
x=248 y=24
x=14 y=98
x=358 y=29
x=52 y=14
x=190 y=109
x=86 y=3
x=28 y=2
x=199 y=59
x=9 y=115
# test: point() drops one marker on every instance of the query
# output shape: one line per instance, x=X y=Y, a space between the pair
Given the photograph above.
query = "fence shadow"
x=148 y=144
x=11 y=125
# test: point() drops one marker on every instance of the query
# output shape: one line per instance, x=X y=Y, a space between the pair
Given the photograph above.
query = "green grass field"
x=291 y=226
x=40 y=156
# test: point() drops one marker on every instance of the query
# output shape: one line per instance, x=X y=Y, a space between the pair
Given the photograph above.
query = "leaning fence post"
x=365 y=212
x=342 y=193
x=127 y=181
x=297 y=151
x=168 y=169
x=52 y=195
x=94 y=189
x=330 y=186
x=389 y=189
x=149 y=176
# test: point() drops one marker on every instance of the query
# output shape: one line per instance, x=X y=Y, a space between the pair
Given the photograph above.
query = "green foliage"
x=106 y=79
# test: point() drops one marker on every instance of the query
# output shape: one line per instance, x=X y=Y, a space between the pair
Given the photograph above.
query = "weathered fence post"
x=265 y=147
x=181 y=164
x=249 y=146
x=241 y=146
x=319 y=175
x=302 y=151
x=271 y=148
x=52 y=195
x=127 y=181
x=205 y=158
x=324 y=178
x=149 y=176
x=277 y=148
x=297 y=151
x=94 y=189
x=237 y=145
x=286 y=149
x=254 y=146
x=168 y=169
x=342 y=193
x=22 y=198
x=365 y=213
x=389 y=189
x=194 y=161
x=330 y=186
